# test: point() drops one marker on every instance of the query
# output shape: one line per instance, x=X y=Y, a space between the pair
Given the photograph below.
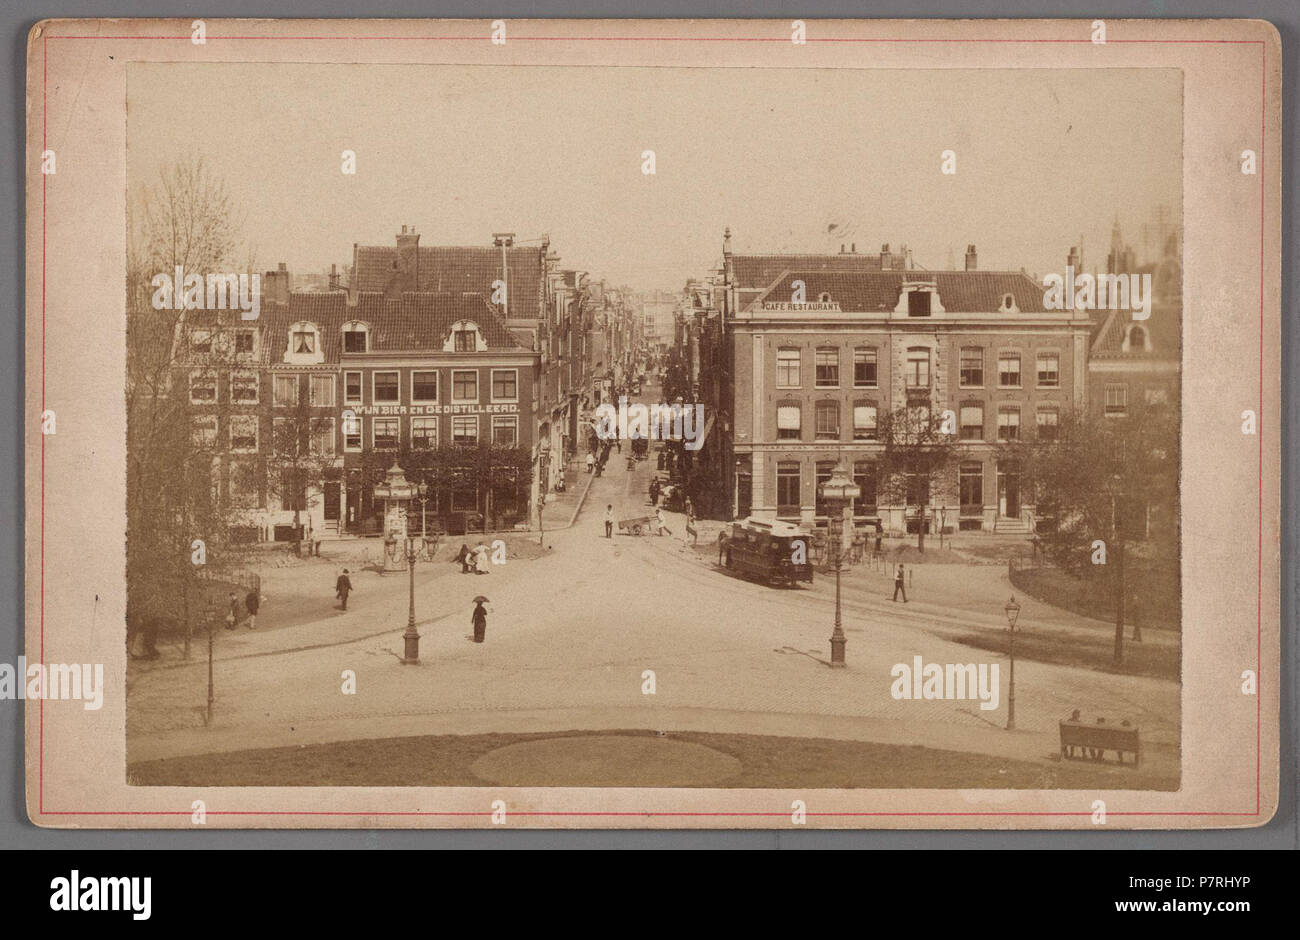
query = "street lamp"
x=411 y=654
x=838 y=493
x=422 y=494
x=1013 y=614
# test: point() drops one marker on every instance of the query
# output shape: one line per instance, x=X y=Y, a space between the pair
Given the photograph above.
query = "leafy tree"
x=1111 y=480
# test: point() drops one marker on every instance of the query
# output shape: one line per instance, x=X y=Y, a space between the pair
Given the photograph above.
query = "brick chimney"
x=408 y=258
x=885 y=258
x=277 y=284
x=972 y=260
x=334 y=276
x=1072 y=260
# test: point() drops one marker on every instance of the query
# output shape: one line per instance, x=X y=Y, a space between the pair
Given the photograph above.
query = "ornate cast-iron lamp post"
x=411 y=638
x=838 y=493
x=1013 y=614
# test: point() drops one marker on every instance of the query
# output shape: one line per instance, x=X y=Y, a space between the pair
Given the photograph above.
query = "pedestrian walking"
x=899 y=581
x=591 y=461
x=343 y=587
x=481 y=560
x=479 y=619
x=609 y=521
x=251 y=603
x=654 y=491
x=659 y=522
x=690 y=524
x=232 y=617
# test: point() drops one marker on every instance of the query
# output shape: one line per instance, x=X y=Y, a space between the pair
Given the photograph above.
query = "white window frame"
x=456 y=418
x=429 y=420
x=1020 y=367
x=312 y=434
x=477 y=391
x=374 y=427
x=1038 y=382
x=257 y=390
x=961 y=383
x=361 y=386
x=492 y=374
x=257 y=433
x=275 y=396
x=437 y=387
x=1009 y=410
x=202 y=375
x=311 y=390
x=374 y=396
x=360 y=435
x=511 y=421
x=798 y=365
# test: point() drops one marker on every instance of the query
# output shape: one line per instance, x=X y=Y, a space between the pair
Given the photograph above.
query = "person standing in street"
x=342 y=588
x=233 y=616
x=609 y=521
x=479 y=620
x=659 y=522
x=251 y=603
x=591 y=461
x=691 y=533
x=654 y=491
x=899 y=582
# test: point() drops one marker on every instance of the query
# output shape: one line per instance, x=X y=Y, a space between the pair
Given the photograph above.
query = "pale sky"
x=1043 y=157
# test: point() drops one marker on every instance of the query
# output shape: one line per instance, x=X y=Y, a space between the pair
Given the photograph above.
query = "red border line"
x=1259 y=590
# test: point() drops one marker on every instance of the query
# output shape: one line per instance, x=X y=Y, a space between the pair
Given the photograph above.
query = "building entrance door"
x=1008 y=492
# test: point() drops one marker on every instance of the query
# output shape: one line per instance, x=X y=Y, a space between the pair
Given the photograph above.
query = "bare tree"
x=916 y=461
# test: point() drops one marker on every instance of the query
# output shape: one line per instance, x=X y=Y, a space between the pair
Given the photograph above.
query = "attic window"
x=824 y=297
x=465 y=337
x=1137 y=338
x=355 y=337
x=918 y=303
x=304 y=341
x=1008 y=301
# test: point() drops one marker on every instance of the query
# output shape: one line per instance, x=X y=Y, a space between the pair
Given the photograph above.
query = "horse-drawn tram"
x=771 y=551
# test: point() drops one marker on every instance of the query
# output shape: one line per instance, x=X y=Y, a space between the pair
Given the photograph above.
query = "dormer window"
x=304 y=344
x=1136 y=338
x=1008 y=304
x=465 y=337
x=918 y=303
x=824 y=297
x=356 y=337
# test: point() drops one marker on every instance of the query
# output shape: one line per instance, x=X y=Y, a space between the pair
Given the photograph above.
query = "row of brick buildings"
x=803 y=358
x=470 y=366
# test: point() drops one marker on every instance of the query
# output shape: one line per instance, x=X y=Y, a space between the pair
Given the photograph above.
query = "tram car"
x=769 y=551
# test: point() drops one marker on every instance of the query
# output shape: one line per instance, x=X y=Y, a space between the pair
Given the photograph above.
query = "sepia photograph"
x=814 y=428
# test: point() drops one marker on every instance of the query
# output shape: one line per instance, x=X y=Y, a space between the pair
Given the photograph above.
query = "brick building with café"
x=823 y=348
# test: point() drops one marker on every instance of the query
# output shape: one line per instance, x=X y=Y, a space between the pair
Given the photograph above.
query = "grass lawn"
x=1152 y=595
x=1155 y=661
x=764 y=762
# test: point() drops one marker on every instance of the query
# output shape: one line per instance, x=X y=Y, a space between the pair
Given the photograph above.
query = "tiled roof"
x=871 y=291
x=328 y=311
x=1164 y=332
x=456 y=270
x=751 y=271
x=419 y=321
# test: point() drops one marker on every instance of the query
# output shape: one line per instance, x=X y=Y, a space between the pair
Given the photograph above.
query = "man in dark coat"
x=899 y=584
x=343 y=587
x=479 y=620
x=251 y=603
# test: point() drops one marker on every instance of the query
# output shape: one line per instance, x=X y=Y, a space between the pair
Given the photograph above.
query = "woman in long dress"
x=481 y=560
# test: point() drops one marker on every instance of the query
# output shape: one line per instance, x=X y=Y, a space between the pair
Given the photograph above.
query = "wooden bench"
x=1094 y=740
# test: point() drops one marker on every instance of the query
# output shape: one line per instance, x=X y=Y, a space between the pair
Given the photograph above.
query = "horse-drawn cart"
x=641 y=525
